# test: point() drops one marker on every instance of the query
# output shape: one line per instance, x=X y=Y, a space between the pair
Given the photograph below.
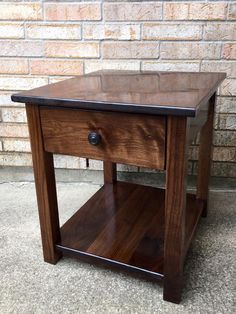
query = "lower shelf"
x=123 y=225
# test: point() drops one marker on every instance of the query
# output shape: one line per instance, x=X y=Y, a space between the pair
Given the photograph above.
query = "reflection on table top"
x=157 y=92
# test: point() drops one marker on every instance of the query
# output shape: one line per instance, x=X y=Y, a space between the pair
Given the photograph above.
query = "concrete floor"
x=28 y=285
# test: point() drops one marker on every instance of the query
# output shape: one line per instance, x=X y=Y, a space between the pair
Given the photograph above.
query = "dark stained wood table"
x=145 y=119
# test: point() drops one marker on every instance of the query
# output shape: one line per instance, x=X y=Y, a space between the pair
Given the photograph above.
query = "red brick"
x=20 y=11
x=130 y=50
x=56 y=67
x=133 y=11
x=14 y=66
x=72 y=49
x=73 y=11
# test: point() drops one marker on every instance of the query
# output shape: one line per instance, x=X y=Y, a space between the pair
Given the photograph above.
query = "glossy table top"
x=178 y=93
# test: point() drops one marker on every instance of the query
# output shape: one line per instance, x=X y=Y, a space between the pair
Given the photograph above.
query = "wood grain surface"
x=45 y=187
x=110 y=172
x=205 y=156
x=125 y=138
x=172 y=93
x=123 y=225
x=175 y=207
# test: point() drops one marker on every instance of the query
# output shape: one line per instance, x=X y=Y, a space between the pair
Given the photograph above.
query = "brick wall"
x=46 y=41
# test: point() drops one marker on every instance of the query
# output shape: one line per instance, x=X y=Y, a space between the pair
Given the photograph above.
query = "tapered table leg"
x=205 y=156
x=110 y=174
x=45 y=187
x=175 y=204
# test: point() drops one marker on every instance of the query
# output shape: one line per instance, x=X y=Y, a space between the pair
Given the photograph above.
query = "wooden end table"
x=147 y=119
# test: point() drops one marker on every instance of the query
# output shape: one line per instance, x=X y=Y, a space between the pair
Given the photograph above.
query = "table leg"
x=110 y=175
x=45 y=187
x=205 y=156
x=175 y=204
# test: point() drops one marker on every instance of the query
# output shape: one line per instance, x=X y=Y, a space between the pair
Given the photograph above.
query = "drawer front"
x=124 y=138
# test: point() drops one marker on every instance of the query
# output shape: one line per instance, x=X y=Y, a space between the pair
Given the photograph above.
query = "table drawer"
x=124 y=138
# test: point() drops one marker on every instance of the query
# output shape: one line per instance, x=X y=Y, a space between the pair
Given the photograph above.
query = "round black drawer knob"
x=94 y=138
